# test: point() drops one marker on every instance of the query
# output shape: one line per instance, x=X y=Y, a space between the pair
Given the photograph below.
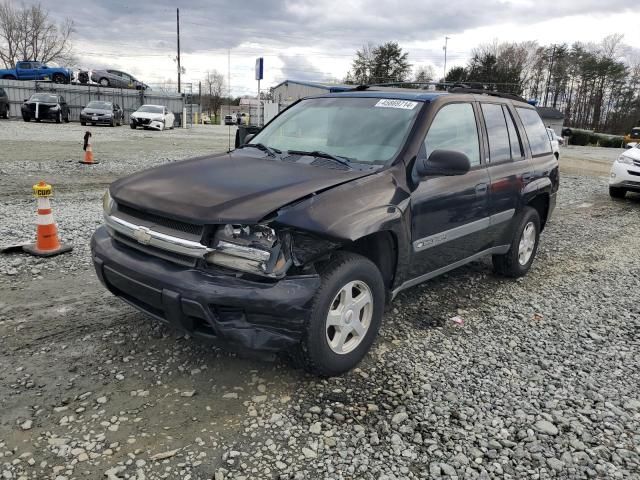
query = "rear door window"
x=455 y=128
x=497 y=134
x=535 y=130
x=517 y=152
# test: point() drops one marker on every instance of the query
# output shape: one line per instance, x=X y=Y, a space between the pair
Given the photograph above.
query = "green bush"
x=580 y=137
x=588 y=137
x=611 y=141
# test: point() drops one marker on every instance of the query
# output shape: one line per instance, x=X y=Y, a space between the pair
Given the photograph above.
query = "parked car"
x=98 y=112
x=32 y=70
x=111 y=78
x=4 y=104
x=632 y=138
x=296 y=240
x=556 y=141
x=229 y=119
x=45 y=106
x=625 y=173
x=157 y=117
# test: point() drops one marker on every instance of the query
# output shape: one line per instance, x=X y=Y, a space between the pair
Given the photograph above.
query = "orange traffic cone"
x=47 y=243
x=88 y=151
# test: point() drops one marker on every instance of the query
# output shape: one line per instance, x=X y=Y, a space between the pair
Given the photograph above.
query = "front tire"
x=59 y=117
x=346 y=315
x=133 y=127
x=26 y=118
x=6 y=112
x=524 y=246
x=617 y=192
x=104 y=82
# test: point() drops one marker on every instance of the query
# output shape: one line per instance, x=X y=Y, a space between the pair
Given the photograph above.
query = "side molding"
x=499 y=250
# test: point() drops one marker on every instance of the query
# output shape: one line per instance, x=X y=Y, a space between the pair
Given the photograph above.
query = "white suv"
x=625 y=173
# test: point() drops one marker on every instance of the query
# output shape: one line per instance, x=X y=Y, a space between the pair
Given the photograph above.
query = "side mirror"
x=248 y=137
x=443 y=163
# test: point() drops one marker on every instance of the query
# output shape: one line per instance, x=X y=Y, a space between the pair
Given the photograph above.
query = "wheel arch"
x=382 y=249
x=540 y=203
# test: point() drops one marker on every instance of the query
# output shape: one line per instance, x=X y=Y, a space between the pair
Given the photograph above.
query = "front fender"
x=350 y=211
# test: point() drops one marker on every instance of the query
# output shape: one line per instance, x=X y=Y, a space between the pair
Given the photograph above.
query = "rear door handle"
x=481 y=189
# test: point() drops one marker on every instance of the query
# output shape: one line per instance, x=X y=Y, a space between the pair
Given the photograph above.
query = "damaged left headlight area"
x=255 y=249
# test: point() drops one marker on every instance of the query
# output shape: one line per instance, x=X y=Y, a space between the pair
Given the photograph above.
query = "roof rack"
x=482 y=91
x=454 y=87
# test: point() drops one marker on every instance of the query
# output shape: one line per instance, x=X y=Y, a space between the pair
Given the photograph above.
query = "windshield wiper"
x=317 y=153
x=261 y=146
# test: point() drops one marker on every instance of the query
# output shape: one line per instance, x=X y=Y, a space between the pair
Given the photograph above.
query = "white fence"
x=78 y=96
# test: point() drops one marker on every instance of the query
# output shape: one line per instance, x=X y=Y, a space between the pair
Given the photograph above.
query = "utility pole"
x=228 y=92
x=178 y=30
x=546 y=93
x=444 y=73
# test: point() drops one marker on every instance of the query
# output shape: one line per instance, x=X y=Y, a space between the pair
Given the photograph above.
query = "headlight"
x=251 y=248
x=107 y=203
x=624 y=159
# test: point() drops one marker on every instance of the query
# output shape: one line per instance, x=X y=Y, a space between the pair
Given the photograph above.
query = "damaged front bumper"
x=240 y=313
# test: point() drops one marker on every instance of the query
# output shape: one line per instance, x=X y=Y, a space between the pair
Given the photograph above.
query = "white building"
x=287 y=92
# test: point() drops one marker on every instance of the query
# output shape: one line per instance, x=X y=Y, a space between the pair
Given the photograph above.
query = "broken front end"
x=247 y=286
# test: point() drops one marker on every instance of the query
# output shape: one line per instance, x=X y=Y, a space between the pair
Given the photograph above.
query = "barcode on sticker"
x=388 y=103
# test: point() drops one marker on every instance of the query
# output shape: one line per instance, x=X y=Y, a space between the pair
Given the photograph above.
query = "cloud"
x=309 y=39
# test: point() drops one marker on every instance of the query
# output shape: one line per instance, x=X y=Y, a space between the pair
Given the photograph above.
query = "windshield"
x=100 y=105
x=150 y=109
x=368 y=130
x=43 y=97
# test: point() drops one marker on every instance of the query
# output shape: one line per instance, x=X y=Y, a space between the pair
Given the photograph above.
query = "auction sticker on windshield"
x=388 y=103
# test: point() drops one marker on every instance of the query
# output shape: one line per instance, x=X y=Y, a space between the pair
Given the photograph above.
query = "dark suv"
x=297 y=240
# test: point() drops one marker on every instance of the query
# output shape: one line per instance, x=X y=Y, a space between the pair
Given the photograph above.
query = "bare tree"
x=27 y=33
x=424 y=73
x=213 y=87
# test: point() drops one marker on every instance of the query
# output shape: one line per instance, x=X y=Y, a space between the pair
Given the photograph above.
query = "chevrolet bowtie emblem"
x=142 y=235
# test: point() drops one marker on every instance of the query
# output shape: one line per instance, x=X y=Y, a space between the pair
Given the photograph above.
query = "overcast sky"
x=316 y=39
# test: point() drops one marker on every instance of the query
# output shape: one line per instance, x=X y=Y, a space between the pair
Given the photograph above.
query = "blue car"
x=32 y=70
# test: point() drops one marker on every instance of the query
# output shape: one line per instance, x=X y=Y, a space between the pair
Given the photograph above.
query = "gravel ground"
x=541 y=380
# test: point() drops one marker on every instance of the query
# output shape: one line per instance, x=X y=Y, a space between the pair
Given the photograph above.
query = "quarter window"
x=499 y=148
x=536 y=131
x=454 y=128
x=517 y=152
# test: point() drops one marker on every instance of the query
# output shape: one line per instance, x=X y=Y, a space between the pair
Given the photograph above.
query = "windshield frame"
x=157 y=107
x=51 y=95
x=403 y=145
x=100 y=108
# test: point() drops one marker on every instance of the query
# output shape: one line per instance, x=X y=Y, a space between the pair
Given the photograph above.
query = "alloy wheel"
x=349 y=317
x=527 y=243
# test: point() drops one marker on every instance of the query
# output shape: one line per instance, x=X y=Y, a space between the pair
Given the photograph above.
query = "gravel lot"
x=541 y=381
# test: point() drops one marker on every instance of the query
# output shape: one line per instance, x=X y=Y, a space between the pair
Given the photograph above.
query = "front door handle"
x=526 y=177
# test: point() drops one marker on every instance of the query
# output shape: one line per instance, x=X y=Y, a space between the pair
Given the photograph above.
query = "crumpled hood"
x=228 y=188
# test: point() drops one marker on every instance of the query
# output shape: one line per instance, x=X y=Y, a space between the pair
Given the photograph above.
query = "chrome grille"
x=169 y=223
x=156 y=252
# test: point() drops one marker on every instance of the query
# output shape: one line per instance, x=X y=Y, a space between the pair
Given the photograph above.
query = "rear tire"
x=342 y=324
x=59 y=78
x=6 y=112
x=133 y=127
x=104 y=82
x=26 y=119
x=524 y=246
x=83 y=124
x=617 y=192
